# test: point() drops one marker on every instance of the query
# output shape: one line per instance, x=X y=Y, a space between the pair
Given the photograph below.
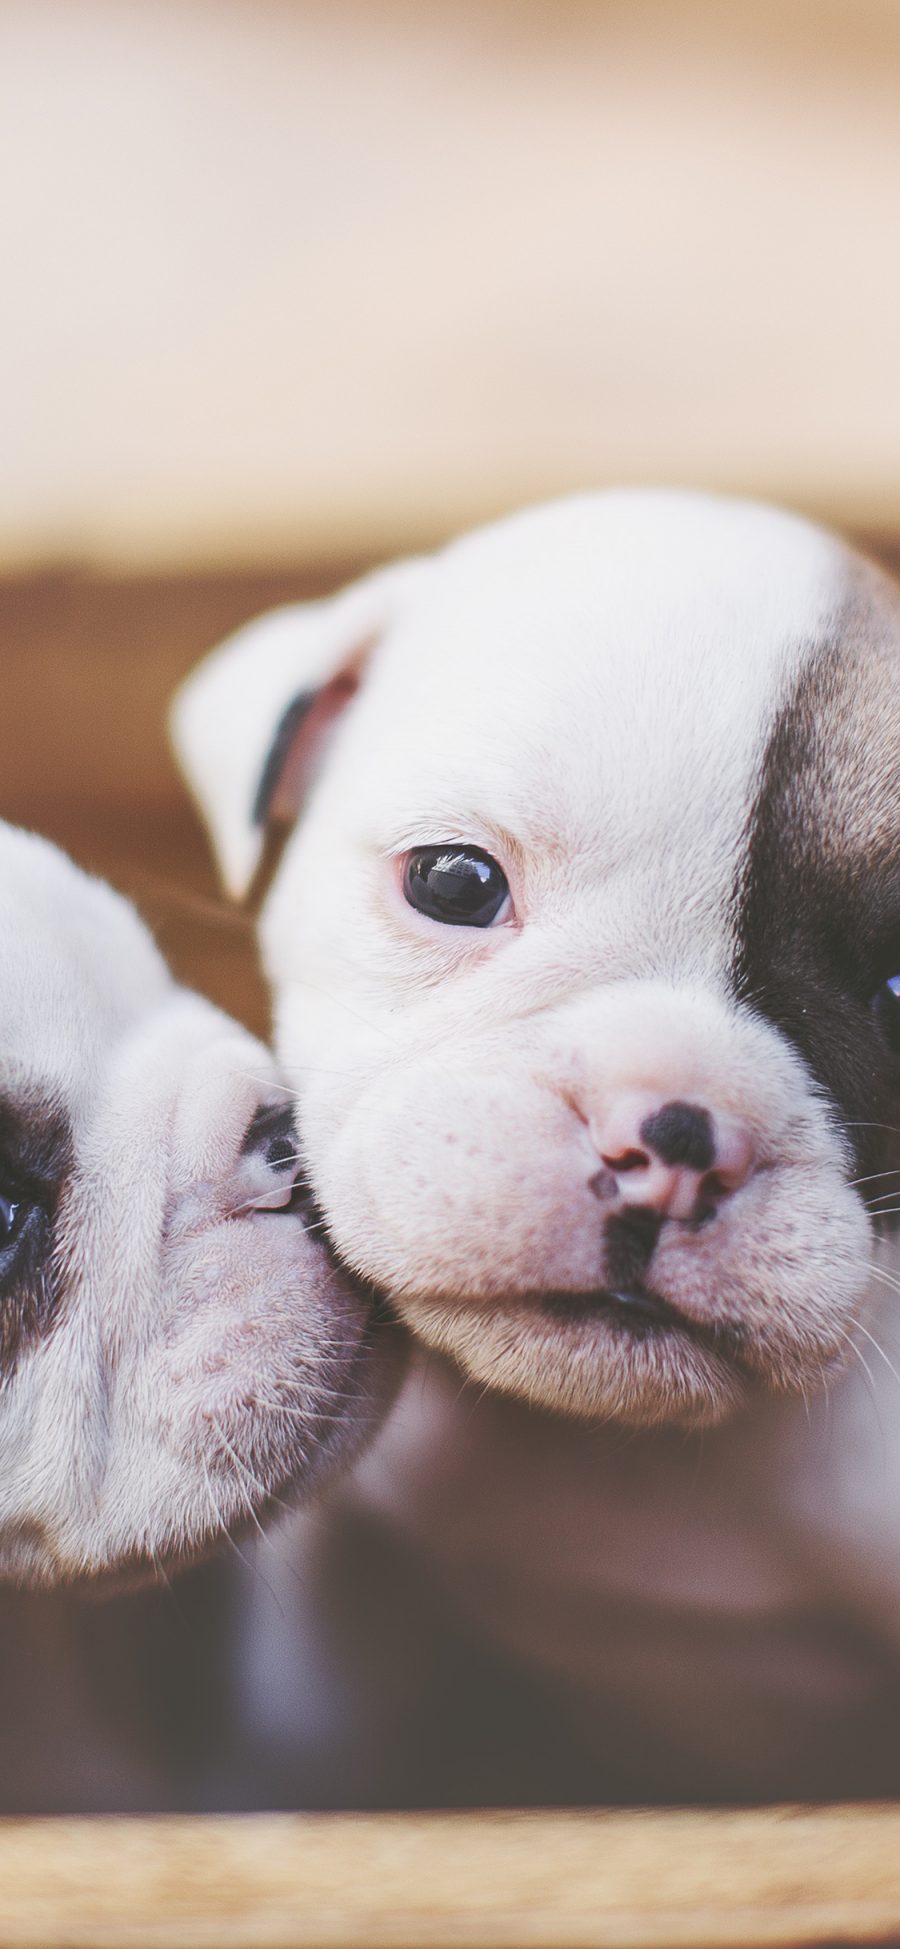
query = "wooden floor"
x=784 y=1876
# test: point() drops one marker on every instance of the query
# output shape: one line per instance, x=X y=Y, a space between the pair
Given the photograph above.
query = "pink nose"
x=674 y=1158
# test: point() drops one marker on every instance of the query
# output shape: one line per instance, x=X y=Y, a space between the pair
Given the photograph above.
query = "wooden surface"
x=294 y=273
x=498 y=1881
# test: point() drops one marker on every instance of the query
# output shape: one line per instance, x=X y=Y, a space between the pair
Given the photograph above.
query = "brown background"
x=88 y=665
x=291 y=286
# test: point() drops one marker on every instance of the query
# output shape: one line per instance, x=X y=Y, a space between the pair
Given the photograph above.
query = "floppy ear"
x=248 y=724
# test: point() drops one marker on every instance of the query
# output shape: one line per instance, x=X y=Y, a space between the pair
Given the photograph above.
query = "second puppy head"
x=177 y=1349
x=586 y=948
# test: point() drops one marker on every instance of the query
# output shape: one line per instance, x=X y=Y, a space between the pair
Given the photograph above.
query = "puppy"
x=177 y=1351
x=586 y=958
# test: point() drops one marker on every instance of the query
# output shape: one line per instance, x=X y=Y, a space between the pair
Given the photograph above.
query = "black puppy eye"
x=459 y=885
x=887 y=1012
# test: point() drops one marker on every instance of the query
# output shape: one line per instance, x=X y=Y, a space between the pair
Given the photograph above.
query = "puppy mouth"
x=641 y=1314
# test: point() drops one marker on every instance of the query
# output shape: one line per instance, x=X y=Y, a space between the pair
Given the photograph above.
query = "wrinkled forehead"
x=76 y=968
x=605 y=659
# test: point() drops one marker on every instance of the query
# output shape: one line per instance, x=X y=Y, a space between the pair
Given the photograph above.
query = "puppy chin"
x=570 y=1354
x=279 y=1372
x=267 y=1377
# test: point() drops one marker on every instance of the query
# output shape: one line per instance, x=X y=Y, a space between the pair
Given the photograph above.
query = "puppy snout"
x=680 y=1160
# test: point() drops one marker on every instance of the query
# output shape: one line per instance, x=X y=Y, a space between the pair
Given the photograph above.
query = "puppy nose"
x=271 y=1132
x=678 y=1159
x=268 y=1177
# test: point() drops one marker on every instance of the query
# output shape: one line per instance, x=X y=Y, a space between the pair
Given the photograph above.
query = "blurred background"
x=291 y=285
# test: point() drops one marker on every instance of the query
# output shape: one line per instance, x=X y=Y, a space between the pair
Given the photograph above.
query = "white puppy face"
x=583 y=947
x=172 y=1356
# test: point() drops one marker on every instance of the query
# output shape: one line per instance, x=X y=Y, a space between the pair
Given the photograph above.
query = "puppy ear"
x=249 y=724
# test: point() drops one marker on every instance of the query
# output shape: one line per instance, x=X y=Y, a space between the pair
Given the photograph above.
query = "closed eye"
x=886 y=1007
x=25 y=1225
x=14 y=1212
x=35 y=1156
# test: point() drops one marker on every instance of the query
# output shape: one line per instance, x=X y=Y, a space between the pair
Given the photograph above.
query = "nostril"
x=627 y=1160
x=715 y=1185
x=280 y=1151
x=711 y=1193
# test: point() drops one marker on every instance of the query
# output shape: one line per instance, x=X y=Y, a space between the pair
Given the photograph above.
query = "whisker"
x=403 y=1054
x=881 y=1272
x=254 y=1566
x=219 y=1528
x=245 y=1475
x=260 y=1203
x=279 y=1410
x=163 y=1576
x=297 y=1157
x=864 y=1365
x=878 y=1349
x=312 y=1069
x=266 y=1082
x=872 y=1392
x=330 y=995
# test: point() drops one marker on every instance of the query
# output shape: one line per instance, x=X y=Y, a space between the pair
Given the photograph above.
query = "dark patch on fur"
x=818 y=919
x=35 y=1158
x=630 y=1241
